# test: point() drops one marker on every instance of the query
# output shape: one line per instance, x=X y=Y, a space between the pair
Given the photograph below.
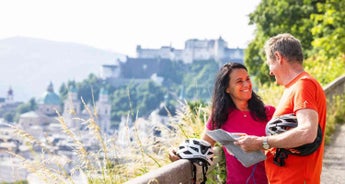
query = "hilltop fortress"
x=195 y=50
x=149 y=61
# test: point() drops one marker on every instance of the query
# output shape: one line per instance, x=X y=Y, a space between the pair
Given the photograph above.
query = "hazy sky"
x=120 y=25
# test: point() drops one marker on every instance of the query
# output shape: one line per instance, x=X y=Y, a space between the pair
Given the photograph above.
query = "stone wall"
x=335 y=88
x=179 y=172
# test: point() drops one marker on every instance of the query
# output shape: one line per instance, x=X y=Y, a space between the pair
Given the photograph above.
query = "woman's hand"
x=172 y=155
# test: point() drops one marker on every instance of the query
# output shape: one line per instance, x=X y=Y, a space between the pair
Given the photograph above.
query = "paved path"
x=333 y=171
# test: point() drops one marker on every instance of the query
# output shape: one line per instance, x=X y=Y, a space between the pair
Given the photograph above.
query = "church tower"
x=72 y=103
x=72 y=108
x=10 y=96
x=103 y=110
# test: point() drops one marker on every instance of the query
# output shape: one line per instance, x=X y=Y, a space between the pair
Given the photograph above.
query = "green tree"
x=272 y=17
x=149 y=97
x=63 y=91
x=136 y=100
x=328 y=29
x=89 y=89
x=31 y=105
x=9 y=116
x=199 y=80
x=172 y=72
x=327 y=61
x=121 y=104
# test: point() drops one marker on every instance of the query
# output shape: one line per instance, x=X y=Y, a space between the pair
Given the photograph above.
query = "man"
x=304 y=97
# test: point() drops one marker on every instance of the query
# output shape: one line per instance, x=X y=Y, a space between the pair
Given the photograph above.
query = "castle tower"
x=219 y=49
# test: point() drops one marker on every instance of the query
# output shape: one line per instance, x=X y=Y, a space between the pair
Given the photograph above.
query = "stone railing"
x=177 y=172
x=180 y=172
x=337 y=87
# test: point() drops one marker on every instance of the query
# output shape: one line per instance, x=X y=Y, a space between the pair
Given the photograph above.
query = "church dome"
x=50 y=97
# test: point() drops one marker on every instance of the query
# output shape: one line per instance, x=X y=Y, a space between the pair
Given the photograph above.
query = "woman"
x=236 y=108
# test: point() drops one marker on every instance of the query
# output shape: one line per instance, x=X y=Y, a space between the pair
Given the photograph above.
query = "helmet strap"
x=204 y=171
x=280 y=156
x=193 y=173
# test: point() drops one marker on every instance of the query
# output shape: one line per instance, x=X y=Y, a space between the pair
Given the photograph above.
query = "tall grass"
x=92 y=167
x=44 y=165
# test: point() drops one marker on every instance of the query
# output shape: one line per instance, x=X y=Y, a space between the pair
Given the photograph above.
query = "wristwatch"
x=265 y=144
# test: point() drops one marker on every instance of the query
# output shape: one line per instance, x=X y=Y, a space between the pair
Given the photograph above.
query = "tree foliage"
x=273 y=17
x=318 y=24
x=329 y=30
x=327 y=61
x=136 y=100
x=199 y=80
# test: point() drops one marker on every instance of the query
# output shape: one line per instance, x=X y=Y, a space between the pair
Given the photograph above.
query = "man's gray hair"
x=285 y=44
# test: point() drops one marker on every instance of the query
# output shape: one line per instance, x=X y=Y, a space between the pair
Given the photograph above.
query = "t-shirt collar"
x=295 y=79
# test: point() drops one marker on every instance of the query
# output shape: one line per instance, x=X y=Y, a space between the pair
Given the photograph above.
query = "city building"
x=43 y=121
x=100 y=111
x=8 y=103
x=37 y=121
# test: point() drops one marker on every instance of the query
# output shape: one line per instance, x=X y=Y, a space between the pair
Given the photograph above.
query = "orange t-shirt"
x=303 y=92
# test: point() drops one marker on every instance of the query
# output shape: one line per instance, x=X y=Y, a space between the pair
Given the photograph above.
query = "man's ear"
x=278 y=57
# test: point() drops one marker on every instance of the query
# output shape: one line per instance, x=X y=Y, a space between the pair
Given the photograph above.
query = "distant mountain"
x=28 y=65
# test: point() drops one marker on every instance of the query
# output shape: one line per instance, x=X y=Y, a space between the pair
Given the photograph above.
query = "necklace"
x=245 y=113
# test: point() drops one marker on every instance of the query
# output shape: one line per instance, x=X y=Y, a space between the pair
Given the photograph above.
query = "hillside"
x=28 y=65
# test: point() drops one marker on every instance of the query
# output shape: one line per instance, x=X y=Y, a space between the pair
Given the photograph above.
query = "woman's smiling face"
x=240 y=86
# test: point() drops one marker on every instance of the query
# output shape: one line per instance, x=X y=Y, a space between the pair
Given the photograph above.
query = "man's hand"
x=249 y=143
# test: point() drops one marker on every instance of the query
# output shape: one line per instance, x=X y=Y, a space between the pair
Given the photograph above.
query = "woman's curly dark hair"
x=222 y=104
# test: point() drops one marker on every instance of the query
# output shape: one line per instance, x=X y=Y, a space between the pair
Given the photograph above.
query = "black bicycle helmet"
x=284 y=123
x=281 y=124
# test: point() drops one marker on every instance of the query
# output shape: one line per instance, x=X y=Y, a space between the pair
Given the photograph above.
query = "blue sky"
x=120 y=25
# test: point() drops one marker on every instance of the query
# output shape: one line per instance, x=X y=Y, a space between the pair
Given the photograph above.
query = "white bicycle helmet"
x=196 y=150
